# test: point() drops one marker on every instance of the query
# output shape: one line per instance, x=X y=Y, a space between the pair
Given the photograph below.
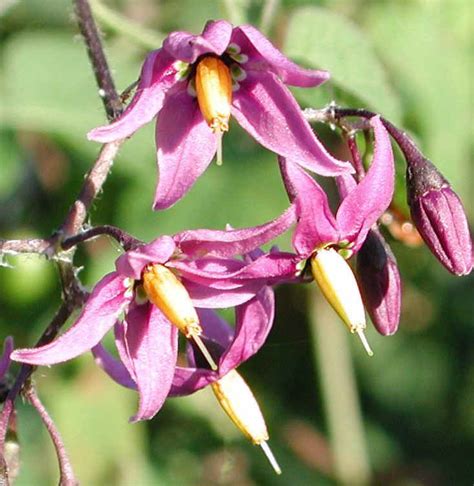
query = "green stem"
x=342 y=409
x=119 y=23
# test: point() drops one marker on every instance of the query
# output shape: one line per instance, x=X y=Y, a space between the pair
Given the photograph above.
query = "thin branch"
x=125 y=240
x=110 y=98
x=92 y=186
x=66 y=474
x=35 y=245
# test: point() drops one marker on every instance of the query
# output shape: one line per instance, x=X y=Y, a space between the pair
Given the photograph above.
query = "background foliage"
x=407 y=60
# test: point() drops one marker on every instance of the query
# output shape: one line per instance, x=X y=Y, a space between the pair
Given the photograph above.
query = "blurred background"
x=414 y=417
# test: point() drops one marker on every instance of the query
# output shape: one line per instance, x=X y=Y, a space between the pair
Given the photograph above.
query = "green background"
x=410 y=61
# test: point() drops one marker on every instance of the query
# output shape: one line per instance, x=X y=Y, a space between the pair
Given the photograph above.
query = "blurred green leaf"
x=434 y=71
x=320 y=38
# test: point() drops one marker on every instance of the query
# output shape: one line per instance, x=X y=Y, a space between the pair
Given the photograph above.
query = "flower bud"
x=239 y=403
x=439 y=215
x=338 y=284
x=214 y=92
x=380 y=283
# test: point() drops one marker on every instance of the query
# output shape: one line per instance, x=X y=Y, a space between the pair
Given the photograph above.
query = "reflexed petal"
x=155 y=79
x=113 y=367
x=105 y=304
x=316 y=223
x=234 y=241
x=189 y=380
x=268 y=112
x=288 y=71
x=132 y=262
x=217 y=33
x=188 y=47
x=372 y=196
x=253 y=323
x=5 y=358
x=214 y=327
x=186 y=146
x=212 y=298
x=152 y=345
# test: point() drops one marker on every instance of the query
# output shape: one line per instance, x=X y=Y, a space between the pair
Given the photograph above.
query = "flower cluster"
x=193 y=84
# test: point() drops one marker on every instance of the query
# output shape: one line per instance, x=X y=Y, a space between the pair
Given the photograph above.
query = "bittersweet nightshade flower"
x=380 y=283
x=438 y=214
x=326 y=241
x=230 y=347
x=195 y=82
x=153 y=314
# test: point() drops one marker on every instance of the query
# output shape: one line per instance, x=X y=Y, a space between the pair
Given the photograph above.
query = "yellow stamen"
x=338 y=284
x=214 y=93
x=238 y=401
x=165 y=290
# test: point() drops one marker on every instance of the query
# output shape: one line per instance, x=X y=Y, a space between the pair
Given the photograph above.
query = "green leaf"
x=323 y=39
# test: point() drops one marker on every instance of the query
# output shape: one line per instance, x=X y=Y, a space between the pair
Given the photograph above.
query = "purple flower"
x=438 y=214
x=325 y=239
x=230 y=346
x=195 y=82
x=156 y=287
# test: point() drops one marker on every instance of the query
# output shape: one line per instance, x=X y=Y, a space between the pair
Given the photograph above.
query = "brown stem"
x=66 y=473
x=111 y=99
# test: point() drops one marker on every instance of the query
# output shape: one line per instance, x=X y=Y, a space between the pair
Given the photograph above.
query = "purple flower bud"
x=439 y=215
x=380 y=283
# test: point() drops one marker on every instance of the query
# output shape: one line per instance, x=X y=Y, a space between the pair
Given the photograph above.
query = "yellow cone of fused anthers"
x=338 y=284
x=237 y=400
x=214 y=93
x=164 y=289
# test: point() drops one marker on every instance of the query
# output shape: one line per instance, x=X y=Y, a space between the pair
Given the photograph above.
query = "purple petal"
x=253 y=323
x=188 y=47
x=113 y=367
x=345 y=184
x=212 y=298
x=214 y=327
x=372 y=196
x=218 y=33
x=233 y=242
x=316 y=223
x=189 y=380
x=288 y=71
x=105 y=304
x=156 y=78
x=380 y=283
x=186 y=146
x=5 y=358
x=152 y=345
x=132 y=262
x=268 y=112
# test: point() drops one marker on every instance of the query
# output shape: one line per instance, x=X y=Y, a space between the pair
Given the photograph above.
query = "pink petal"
x=105 y=304
x=132 y=262
x=5 y=358
x=372 y=196
x=188 y=47
x=268 y=112
x=214 y=327
x=152 y=345
x=156 y=78
x=288 y=71
x=218 y=33
x=113 y=367
x=186 y=146
x=208 y=297
x=189 y=380
x=316 y=223
x=233 y=242
x=253 y=323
